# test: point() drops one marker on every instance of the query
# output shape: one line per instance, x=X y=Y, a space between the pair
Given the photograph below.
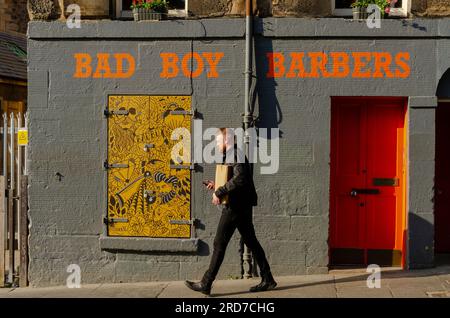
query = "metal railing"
x=14 y=201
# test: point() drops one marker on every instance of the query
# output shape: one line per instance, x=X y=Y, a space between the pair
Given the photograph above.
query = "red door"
x=367 y=218
x=442 y=179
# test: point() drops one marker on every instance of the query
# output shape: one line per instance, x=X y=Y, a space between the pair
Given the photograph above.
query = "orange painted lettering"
x=120 y=59
x=83 y=68
x=318 y=62
x=103 y=68
x=404 y=70
x=276 y=65
x=359 y=64
x=186 y=69
x=383 y=62
x=213 y=60
x=170 y=66
x=297 y=68
x=340 y=64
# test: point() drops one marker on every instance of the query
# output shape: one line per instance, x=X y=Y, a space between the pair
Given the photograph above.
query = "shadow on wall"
x=420 y=242
x=422 y=238
x=269 y=112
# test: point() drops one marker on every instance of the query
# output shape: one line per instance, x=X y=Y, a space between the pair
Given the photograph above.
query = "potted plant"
x=149 y=9
x=359 y=7
x=40 y=9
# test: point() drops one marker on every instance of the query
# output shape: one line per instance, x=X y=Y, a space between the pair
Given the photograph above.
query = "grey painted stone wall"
x=68 y=136
x=421 y=173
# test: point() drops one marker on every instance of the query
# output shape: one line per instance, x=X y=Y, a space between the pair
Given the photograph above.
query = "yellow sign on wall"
x=148 y=196
x=22 y=137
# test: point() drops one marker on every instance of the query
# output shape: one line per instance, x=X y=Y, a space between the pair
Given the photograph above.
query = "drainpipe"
x=247 y=256
x=248 y=68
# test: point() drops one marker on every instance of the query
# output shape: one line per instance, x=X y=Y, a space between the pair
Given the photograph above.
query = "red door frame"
x=401 y=235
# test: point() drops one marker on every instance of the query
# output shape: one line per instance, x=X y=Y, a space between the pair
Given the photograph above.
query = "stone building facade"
x=13 y=16
x=264 y=8
x=306 y=71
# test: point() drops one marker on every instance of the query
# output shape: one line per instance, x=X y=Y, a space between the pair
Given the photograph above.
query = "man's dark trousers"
x=230 y=220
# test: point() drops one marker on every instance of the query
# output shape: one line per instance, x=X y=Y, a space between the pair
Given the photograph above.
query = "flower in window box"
x=360 y=7
x=149 y=9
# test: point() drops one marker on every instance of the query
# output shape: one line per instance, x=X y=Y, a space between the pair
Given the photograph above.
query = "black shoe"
x=199 y=287
x=267 y=283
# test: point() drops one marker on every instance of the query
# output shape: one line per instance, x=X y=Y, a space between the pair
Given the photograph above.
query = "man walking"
x=235 y=214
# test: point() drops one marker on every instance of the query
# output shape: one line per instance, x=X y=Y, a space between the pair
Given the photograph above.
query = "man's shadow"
x=391 y=274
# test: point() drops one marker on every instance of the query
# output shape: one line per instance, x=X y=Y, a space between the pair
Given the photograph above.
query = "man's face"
x=221 y=142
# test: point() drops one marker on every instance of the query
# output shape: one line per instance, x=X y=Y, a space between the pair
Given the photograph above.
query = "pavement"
x=395 y=283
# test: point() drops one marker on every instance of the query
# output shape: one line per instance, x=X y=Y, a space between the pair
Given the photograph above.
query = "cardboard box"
x=223 y=174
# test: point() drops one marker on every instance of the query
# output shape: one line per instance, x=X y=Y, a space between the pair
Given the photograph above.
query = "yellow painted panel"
x=144 y=193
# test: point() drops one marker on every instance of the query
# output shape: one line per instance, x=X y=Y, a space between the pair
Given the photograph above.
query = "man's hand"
x=210 y=185
x=215 y=200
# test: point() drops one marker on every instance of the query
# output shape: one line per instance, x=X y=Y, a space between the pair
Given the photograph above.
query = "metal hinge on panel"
x=184 y=222
x=106 y=165
x=116 y=112
x=192 y=113
x=190 y=167
x=115 y=220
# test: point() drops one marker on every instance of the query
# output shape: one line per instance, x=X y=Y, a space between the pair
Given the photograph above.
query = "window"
x=123 y=9
x=177 y=8
x=343 y=8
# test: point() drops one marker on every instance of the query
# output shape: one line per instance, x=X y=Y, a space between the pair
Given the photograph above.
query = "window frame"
x=395 y=12
x=126 y=14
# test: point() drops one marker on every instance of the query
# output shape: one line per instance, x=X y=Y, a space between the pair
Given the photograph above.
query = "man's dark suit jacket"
x=240 y=188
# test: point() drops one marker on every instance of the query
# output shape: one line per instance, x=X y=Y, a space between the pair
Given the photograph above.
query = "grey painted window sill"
x=143 y=244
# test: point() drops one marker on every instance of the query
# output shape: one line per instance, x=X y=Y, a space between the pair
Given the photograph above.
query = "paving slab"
x=363 y=292
x=52 y=292
x=348 y=280
x=137 y=290
x=408 y=293
x=423 y=283
x=4 y=291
